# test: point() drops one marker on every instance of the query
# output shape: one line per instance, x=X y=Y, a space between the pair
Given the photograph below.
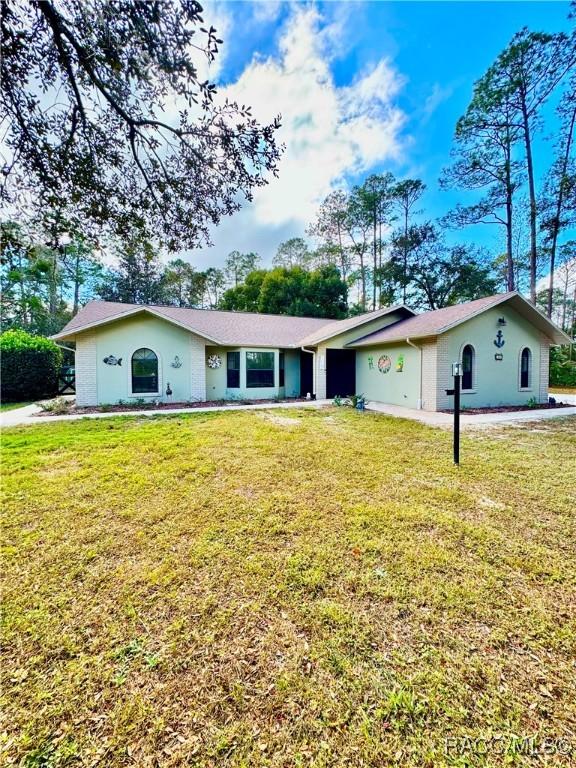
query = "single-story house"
x=393 y=355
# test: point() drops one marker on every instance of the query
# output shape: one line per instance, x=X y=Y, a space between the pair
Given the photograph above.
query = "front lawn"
x=286 y=588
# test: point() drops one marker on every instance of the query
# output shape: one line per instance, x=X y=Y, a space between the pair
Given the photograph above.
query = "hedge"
x=29 y=365
x=562 y=367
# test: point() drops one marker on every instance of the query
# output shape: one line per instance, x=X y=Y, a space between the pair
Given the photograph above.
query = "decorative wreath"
x=214 y=361
x=384 y=364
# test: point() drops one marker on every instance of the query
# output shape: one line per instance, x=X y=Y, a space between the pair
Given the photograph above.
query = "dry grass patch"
x=224 y=590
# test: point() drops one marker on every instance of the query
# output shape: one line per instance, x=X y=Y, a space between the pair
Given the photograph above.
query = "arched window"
x=525 y=368
x=144 y=372
x=468 y=359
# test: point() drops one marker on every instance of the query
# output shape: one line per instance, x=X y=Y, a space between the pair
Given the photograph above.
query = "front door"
x=340 y=372
x=306 y=373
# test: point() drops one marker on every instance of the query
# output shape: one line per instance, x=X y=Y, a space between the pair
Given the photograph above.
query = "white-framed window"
x=144 y=372
x=468 y=367
x=259 y=369
x=526 y=368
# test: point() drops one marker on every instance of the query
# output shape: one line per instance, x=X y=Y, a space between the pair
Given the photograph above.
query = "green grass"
x=285 y=588
x=12 y=406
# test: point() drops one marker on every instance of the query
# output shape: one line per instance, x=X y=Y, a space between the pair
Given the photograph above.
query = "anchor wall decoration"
x=499 y=341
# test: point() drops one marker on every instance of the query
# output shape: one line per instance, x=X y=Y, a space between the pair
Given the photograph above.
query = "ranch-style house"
x=392 y=355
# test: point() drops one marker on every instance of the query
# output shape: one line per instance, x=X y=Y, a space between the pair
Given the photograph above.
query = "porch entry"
x=340 y=372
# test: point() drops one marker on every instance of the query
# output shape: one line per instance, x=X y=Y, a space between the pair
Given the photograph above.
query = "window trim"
x=473 y=389
x=272 y=352
x=159 y=376
x=529 y=388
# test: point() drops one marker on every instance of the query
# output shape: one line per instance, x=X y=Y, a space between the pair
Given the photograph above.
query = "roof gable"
x=337 y=327
x=439 y=321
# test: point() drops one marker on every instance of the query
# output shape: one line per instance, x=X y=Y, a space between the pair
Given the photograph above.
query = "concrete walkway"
x=469 y=420
x=29 y=414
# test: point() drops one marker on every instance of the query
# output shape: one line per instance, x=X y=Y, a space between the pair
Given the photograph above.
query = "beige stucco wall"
x=395 y=387
x=496 y=382
x=338 y=342
x=123 y=338
x=216 y=378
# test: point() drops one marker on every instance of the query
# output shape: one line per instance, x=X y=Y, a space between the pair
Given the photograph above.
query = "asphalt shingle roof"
x=440 y=320
x=226 y=328
x=431 y=323
x=259 y=330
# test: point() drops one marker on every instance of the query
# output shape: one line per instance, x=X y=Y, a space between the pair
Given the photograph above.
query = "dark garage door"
x=340 y=372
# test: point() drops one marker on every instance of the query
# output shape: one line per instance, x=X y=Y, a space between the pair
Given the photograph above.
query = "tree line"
x=367 y=246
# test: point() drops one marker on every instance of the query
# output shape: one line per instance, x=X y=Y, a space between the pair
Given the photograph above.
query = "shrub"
x=56 y=407
x=562 y=368
x=30 y=366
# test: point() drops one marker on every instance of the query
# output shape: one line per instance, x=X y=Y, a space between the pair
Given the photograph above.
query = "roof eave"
x=106 y=321
x=312 y=340
x=396 y=340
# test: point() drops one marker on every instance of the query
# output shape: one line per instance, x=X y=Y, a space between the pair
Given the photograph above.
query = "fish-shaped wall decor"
x=111 y=360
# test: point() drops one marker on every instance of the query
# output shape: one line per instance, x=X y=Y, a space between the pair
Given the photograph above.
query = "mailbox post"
x=457 y=374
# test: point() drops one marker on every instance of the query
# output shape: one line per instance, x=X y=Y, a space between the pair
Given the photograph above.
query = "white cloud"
x=438 y=95
x=330 y=132
x=266 y=11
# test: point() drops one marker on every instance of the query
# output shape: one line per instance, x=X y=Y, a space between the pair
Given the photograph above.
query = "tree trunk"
x=76 y=283
x=573 y=320
x=405 y=263
x=511 y=283
x=374 y=259
x=53 y=284
x=380 y=263
x=565 y=300
x=23 y=301
x=532 y=193
x=342 y=256
x=556 y=219
x=363 y=280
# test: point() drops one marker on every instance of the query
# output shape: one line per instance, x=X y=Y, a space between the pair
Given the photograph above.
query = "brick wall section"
x=443 y=373
x=86 y=384
x=544 y=371
x=197 y=368
x=321 y=372
x=429 y=366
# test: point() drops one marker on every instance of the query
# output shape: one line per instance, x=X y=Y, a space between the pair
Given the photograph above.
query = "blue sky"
x=363 y=87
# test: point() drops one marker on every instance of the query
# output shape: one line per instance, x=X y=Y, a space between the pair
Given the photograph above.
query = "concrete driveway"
x=434 y=419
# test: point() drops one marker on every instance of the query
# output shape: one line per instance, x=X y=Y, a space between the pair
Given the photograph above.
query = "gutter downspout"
x=313 y=353
x=411 y=344
x=63 y=346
